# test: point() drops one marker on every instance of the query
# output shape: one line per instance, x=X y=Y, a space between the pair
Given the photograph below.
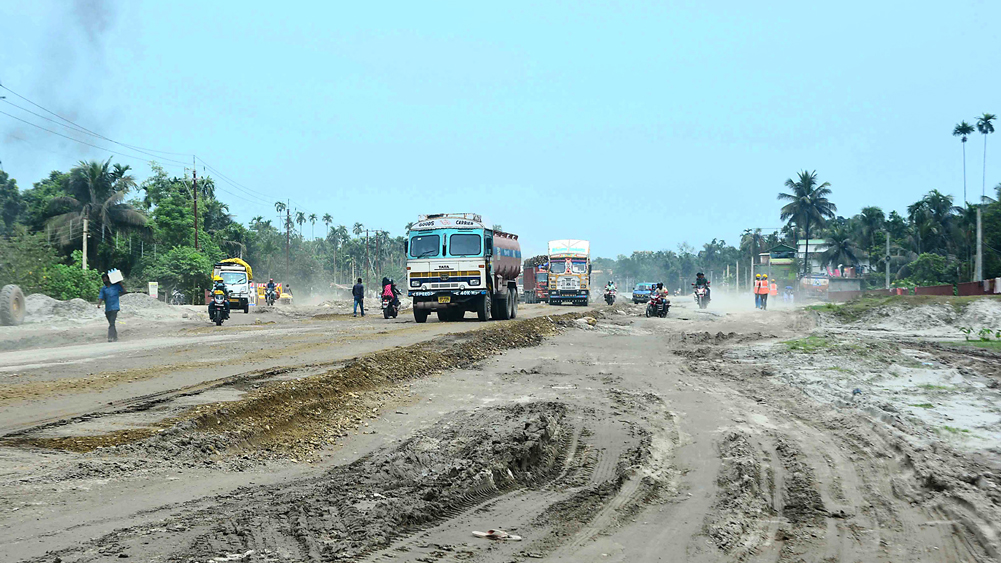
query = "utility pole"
x=979 y=267
x=288 y=236
x=737 y=285
x=887 y=259
x=194 y=193
x=84 y=242
x=368 y=259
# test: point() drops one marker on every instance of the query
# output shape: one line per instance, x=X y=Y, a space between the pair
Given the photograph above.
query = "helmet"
x=271 y=279
x=764 y=276
x=217 y=278
x=757 y=275
x=699 y=275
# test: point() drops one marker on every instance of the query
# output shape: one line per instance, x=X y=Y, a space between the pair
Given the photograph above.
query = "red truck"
x=536 y=284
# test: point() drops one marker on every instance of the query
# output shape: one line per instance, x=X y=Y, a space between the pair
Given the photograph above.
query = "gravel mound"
x=982 y=313
x=41 y=308
x=141 y=305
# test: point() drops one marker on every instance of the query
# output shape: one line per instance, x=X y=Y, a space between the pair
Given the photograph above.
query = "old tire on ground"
x=483 y=308
x=421 y=315
x=11 y=305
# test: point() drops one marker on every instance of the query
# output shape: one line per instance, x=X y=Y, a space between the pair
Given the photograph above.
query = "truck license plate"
x=444 y=299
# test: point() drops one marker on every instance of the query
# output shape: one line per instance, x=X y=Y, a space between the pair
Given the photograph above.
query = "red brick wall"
x=971 y=288
x=934 y=290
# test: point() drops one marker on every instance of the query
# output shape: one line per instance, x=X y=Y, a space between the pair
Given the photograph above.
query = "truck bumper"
x=432 y=300
x=574 y=297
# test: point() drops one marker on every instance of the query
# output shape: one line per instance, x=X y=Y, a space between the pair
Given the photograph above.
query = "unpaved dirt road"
x=722 y=435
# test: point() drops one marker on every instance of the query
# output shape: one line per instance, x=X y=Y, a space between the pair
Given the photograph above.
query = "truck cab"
x=569 y=272
x=237 y=275
x=456 y=264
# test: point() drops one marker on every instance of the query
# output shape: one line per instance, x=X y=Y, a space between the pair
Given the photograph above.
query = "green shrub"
x=67 y=282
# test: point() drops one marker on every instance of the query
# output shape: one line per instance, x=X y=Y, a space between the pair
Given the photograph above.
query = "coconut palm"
x=808 y=205
x=97 y=193
x=986 y=127
x=300 y=218
x=871 y=221
x=327 y=220
x=841 y=249
x=963 y=130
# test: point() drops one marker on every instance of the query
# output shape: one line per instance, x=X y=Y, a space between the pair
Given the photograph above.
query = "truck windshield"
x=464 y=245
x=422 y=246
x=560 y=266
x=233 y=278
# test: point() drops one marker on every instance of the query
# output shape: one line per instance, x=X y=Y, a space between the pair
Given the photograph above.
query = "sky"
x=635 y=125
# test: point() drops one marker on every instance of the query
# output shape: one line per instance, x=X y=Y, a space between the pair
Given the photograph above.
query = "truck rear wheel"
x=483 y=308
x=421 y=315
x=11 y=305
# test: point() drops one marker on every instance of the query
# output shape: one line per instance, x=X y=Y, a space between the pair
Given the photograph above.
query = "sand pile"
x=982 y=313
x=41 y=308
x=141 y=305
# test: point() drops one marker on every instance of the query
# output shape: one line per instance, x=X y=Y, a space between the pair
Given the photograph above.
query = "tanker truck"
x=456 y=264
x=569 y=271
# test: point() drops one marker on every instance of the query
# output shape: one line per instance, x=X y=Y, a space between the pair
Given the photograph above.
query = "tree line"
x=147 y=230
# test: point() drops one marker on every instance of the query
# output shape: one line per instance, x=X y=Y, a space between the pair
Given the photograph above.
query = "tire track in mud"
x=504 y=462
x=849 y=485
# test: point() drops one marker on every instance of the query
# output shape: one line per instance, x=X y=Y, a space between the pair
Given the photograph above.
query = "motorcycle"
x=176 y=298
x=702 y=296
x=217 y=308
x=658 y=306
x=389 y=309
x=269 y=297
x=610 y=296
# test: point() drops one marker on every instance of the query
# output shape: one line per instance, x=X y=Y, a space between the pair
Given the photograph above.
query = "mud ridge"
x=295 y=418
x=464 y=460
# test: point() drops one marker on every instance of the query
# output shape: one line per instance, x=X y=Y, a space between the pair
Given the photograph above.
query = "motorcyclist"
x=701 y=281
x=610 y=286
x=661 y=291
x=219 y=284
x=271 y=287
x=390 y=291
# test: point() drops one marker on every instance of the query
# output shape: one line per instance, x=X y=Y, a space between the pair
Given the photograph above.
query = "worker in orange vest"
x=773 y=289
x=764 y=291
x=757 y=291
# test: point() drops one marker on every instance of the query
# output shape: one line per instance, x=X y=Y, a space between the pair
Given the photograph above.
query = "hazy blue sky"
x=635 y=125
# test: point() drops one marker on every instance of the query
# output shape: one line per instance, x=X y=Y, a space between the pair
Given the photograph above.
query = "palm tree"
x=808 y=206
x=963 y=130
x=300 y=218
x=280 y=208
x=985 y=127
x=312 y=225
x=358 y=229
x=872 y=219
x=933 y=218
x=841 y=249
x=327 y=220
x=97 y=193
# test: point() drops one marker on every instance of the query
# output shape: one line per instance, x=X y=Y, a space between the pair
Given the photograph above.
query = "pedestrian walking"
x=765 y=289
x=757 y=291
x=109 y=296
x=358 y=291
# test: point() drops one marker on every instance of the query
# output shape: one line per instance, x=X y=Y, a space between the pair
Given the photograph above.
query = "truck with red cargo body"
x=456 y=264
x=536 y=284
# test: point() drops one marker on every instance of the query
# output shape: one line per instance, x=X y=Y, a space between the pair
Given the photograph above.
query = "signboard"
x=572 y=247
x=154 y=289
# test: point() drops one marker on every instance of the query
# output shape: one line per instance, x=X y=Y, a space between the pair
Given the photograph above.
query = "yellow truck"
x=237 y=275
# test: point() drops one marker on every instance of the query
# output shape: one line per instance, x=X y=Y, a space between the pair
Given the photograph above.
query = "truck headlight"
x=415 y=283
x=474 y=281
